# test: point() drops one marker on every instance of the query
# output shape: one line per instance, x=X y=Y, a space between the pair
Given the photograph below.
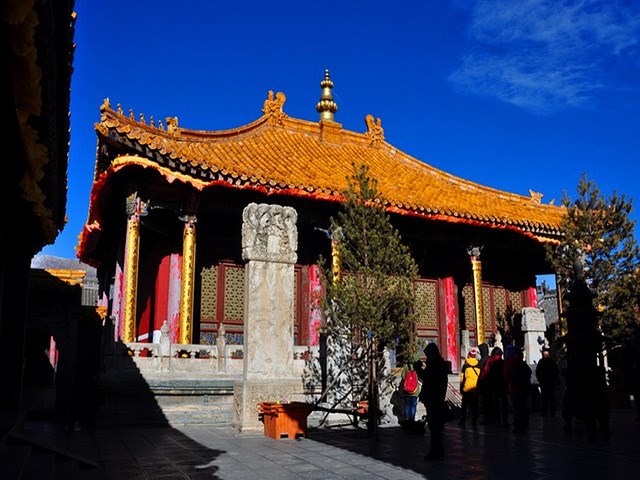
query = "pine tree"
x=598 y=231
x=371 y=299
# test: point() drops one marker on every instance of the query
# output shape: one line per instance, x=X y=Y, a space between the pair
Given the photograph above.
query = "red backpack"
x=410 y=383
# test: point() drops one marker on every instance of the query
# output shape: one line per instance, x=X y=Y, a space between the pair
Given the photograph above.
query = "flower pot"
x=284 y=420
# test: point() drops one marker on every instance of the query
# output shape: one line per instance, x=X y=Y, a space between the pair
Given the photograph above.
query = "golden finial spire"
x=326 y=107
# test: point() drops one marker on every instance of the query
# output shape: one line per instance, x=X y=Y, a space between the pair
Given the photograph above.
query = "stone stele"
x=533 y=327
x=269 y=245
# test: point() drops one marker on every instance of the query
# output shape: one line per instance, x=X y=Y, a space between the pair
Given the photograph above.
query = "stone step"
x=166 y=410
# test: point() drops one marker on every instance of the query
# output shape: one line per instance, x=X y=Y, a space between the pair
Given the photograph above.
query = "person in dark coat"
x=547 y=375
x=517 y=374
x=486 y=398
x=498 y=386
x=434 y=390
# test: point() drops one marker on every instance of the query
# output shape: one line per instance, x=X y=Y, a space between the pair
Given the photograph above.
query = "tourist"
x=410 y=393
x=517 y=374
x=486 y=399
x=469 y=374
x=547 y=375
x=435 y=379
x=498 y=387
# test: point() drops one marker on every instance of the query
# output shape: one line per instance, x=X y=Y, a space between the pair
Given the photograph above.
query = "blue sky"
x=516 y=95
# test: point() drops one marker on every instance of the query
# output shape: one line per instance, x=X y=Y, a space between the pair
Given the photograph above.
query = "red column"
x=315 y=305
x=117 y=305
x=533 y=297
x=161 y=297
x=451 y=321
x=173 y=302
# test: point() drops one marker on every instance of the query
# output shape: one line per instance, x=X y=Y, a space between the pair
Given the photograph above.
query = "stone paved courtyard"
x=221 y=452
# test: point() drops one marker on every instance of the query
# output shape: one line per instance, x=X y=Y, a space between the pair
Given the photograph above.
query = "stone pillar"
x=476 y=264
x=188 y=275
x=221 y=348
x=135 y=208
x=498 y=341
x=269 y=245
x=533 y=327
x=164 y=351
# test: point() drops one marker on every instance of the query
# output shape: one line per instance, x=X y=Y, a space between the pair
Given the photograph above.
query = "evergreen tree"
x=370 y=300
x=598 y=231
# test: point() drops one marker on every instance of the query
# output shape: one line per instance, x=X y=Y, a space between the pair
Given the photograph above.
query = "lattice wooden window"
x=426 y=306
x=209 y=296
x=234 y=294
x=469 y=306
x=500 y=305
x=486 y=306
x=516 y=301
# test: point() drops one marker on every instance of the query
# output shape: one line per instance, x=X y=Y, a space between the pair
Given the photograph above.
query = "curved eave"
x=93 y=227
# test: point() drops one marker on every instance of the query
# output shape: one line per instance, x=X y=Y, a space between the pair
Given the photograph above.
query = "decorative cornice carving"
x=272 y=108
x=136 y=206
x=269 y=233
x=474 y=251
x=375 y=132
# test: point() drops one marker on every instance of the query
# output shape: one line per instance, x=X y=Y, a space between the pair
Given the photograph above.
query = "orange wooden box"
x=284 y=420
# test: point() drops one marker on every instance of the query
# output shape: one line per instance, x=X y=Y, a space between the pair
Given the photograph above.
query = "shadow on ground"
x=116 y=430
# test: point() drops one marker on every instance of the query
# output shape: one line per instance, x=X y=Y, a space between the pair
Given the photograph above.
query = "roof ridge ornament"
x=375 y=132
x=272 y=108
x=536 y=197
x=326 y=107
x=172 y=125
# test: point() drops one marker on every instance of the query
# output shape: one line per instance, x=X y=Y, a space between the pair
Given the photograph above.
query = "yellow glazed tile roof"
x=280 y=154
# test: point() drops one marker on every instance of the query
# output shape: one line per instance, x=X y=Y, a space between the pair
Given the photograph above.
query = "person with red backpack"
x=469 y=374
x=410 y=388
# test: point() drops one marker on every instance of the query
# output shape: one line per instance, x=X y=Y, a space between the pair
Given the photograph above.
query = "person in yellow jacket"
x=469 y=374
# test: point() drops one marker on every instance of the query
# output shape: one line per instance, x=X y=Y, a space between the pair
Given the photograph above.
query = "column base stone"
x=249 y=393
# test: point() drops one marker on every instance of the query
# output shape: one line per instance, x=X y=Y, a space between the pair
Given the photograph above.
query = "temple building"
x=168 y=213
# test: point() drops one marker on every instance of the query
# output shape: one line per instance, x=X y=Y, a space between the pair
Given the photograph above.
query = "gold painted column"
x=131 y=256
x=188 y=275
x=335 y=257
x=476 y=265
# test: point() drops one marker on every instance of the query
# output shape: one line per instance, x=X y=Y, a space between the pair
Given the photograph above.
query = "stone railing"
x=184 y=361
